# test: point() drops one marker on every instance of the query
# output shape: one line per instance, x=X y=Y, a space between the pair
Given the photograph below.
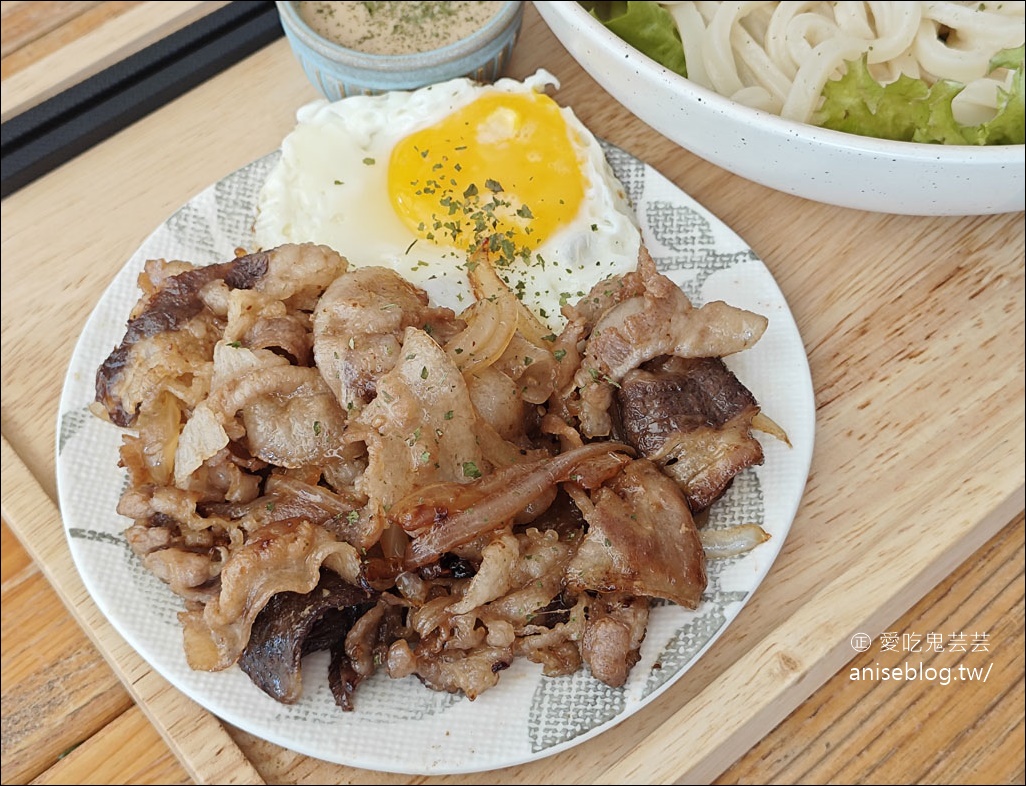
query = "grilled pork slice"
x=630 y=332
x=293 y=624
x=693 y=417
x=173 y=328
x=641 y=539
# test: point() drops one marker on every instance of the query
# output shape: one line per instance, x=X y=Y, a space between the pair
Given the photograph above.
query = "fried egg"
x=417 y=181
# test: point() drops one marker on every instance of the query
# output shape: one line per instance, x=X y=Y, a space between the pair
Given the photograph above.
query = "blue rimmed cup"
x=337 y=71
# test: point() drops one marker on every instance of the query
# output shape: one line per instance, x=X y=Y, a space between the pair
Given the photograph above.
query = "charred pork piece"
x=172 y=332
x=661 y=322
x=641 y=540
x=694 y=418
x=159 y=329
x=293 y=624
x=342 y=677
x=357 y=656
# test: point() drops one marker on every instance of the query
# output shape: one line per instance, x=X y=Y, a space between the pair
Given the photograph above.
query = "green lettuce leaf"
x=648 y=27
x=909 y=110
x=1009 y=125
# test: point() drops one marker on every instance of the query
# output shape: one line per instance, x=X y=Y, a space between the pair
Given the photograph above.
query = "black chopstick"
x=47 y=135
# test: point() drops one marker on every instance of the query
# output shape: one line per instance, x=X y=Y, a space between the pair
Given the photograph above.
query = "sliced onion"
x=446 y=515
x=731 y=541
x=490 y=327
x=487 y=285
x=767 y=425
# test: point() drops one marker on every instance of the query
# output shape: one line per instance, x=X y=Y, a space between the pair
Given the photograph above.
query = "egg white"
x=330 y=186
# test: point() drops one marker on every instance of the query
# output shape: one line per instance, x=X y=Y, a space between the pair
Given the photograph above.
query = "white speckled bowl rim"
x=821 y=164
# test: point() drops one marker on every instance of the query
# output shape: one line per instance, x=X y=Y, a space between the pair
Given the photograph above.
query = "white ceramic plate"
x=815 y=163
x=400 y=725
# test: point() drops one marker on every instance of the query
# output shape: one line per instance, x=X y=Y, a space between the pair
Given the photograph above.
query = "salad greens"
x=910 y=111
x=907 y=110
x=648 y=27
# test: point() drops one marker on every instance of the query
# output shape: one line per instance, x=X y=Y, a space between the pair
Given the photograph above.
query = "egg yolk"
x=502 y=169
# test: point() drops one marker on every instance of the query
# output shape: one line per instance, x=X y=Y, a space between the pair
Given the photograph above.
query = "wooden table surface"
x=917 y=475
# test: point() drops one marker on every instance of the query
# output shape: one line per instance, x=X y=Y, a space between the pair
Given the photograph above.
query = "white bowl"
x=815 y=163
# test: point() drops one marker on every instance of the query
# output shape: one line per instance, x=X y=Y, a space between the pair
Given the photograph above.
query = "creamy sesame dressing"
x=386 y=28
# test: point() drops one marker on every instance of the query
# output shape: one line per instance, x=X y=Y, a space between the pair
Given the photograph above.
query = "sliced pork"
x=358 y=329
x=693 y=417
x=293 y=624
x=661 y=321
x=641 y=540
x=324 y=460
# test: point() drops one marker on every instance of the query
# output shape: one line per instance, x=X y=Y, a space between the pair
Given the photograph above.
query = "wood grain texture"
x=920 y=730
x=914 y=330
x=24 y=23
x=32 y=31
x=982 y=744
x=99 y=38
x=141 y=756
x=57 y=690
x=192 y=734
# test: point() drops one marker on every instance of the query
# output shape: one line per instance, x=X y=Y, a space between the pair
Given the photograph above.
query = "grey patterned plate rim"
x=401 y=726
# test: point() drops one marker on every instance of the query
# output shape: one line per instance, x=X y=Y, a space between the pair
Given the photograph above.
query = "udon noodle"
x=778 y=56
